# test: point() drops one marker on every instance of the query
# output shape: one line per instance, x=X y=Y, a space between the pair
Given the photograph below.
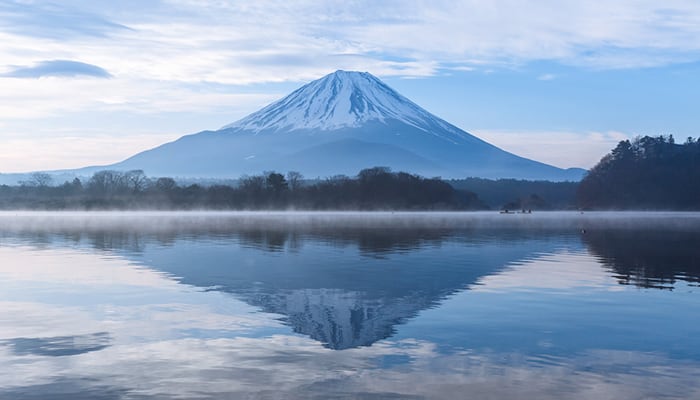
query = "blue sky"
x=85 y=82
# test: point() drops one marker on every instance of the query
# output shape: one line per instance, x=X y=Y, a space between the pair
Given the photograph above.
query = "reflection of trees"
x=370 y=241
x=648 y=258
x=325 y=291
x=350 y=284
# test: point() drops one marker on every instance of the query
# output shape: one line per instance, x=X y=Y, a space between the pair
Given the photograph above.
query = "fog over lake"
x=211 y=305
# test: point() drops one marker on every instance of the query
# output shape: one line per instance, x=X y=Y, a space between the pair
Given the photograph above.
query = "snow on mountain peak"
x=341 y=99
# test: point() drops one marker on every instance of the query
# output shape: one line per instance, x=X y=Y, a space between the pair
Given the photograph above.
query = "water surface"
x=349 y=305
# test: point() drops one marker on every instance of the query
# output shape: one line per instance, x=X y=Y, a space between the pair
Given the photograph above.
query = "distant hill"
x=337 y=125
x=340 y=124
x=647 y=173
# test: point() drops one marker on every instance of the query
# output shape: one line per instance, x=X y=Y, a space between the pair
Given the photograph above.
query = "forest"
x=375 y=188
x=652 y=173
x=517 y=194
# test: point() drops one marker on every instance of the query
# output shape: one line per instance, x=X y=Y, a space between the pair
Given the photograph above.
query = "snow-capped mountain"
x=342 y=100
x=339 y=124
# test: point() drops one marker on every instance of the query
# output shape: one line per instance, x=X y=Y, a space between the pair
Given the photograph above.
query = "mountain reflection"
x=129 y=310
x=344 y=287
x=349 y=285
x=648 y=258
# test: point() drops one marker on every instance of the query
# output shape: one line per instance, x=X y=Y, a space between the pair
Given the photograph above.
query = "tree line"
x=376 y=188
x=517 y=194
x=645 y=173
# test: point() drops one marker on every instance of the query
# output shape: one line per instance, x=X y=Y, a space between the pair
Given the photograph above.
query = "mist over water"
x=168 y=221
x=151 y=305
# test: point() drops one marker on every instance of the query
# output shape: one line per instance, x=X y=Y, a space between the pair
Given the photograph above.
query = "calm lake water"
x=349 y=305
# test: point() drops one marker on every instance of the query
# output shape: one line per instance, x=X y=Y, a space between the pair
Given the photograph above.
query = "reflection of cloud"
x=66 y=293
x=158 y=350
x=80 y=268
x=546 y=272
x=60 y=68
x=297 y=368
x=58 y=346
x=65 y=389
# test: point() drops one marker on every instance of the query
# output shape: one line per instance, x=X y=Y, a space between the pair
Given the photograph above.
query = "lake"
x=206 y=305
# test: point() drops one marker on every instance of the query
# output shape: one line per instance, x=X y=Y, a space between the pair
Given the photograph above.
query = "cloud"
x=238 y=43
x=546 y=77
x=555 y=147
x=62 y=151
x=58 y=68
x=54 y=20
x=162 y=55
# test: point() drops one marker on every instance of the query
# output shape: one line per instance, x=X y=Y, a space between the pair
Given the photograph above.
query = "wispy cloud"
x=272 y=41
x=60 y=20
x=546 y=77
x=163 y=55
x=560 y=148
x=63 y=151
x=58 y=68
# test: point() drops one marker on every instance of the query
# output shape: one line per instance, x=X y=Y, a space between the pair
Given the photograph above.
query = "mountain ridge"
x=337 y=125
x=314 y=106
x=341 y=107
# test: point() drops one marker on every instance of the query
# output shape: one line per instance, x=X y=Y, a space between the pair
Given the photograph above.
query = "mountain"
x=339 y=124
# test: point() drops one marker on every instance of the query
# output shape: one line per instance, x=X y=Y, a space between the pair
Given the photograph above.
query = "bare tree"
x=38 y=179
x=107 y=182
x=165 y=184
x=136 y=180
x=294 y=179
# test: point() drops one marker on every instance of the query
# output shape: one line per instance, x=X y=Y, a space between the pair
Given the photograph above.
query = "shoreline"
x=157 y=221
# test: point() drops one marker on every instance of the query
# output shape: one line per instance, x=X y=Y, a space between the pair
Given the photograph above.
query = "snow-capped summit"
x=343 y=99
x=339 y=124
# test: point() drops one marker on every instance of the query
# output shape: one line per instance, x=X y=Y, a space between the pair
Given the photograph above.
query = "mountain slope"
x=340 y=124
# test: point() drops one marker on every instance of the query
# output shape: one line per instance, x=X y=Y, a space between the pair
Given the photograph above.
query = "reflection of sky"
x=561 y=304
x=550 y=325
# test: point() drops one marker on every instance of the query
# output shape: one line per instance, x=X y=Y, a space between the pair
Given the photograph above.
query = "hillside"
x=647 y=173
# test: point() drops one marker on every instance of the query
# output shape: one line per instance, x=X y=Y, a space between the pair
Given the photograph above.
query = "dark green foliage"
x=378 y=188
x=647 y=173
x=515 y=194
x=529 y=203
x=373 y=189
x=642 y=257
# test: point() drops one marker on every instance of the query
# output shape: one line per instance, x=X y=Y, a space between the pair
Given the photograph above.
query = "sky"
x=86 y=82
